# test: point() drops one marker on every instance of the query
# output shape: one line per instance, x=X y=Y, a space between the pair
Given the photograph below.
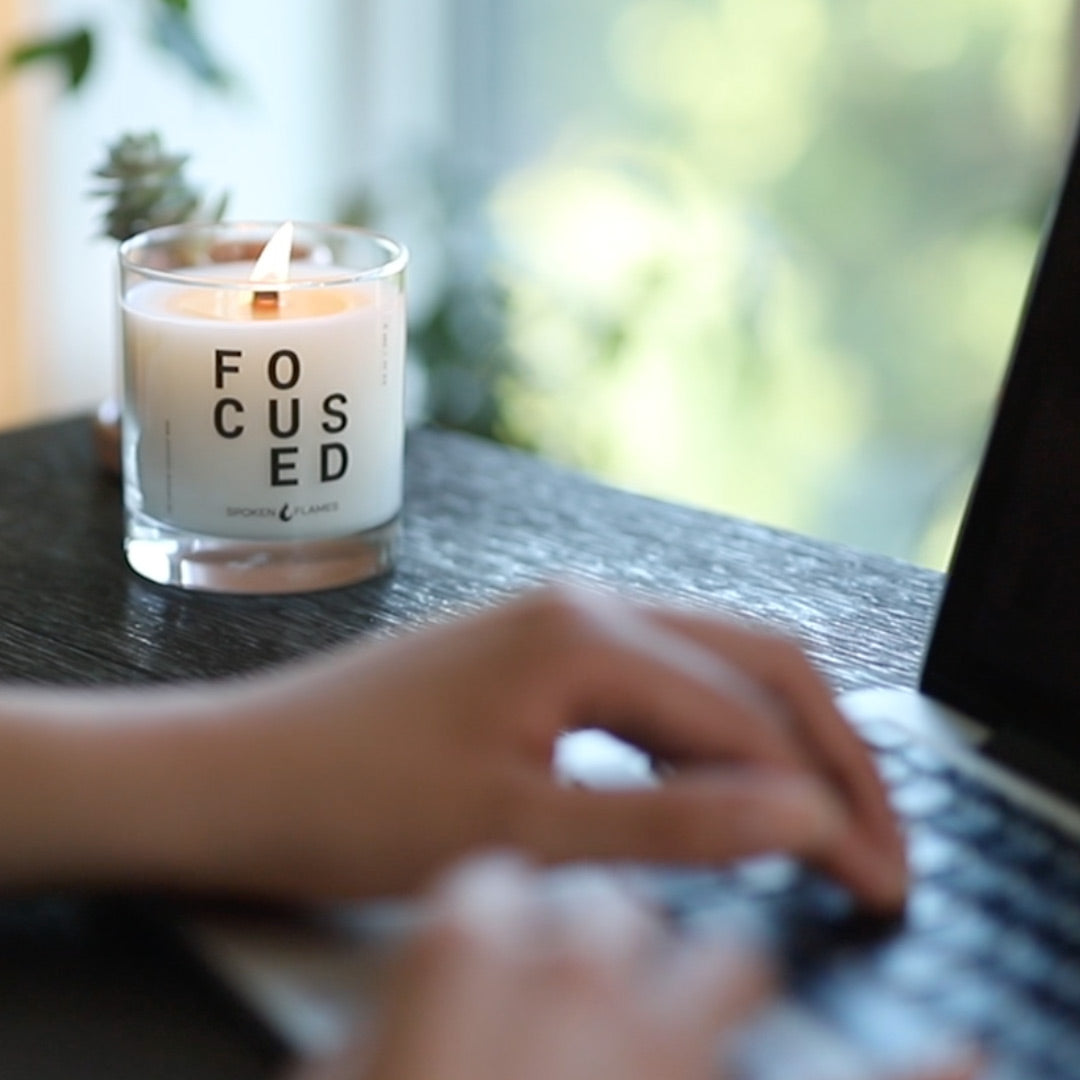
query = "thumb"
x=699 y=817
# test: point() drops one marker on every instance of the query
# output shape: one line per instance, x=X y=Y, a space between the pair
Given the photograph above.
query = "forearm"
x=110 y=788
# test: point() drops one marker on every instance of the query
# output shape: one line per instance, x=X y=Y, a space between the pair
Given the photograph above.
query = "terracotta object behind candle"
x=107 y=436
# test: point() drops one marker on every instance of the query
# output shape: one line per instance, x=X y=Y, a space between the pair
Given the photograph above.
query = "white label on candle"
x=282 y=425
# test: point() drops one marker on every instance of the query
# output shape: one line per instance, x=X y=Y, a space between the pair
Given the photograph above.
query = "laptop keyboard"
x=990 y=941
x=996 y=902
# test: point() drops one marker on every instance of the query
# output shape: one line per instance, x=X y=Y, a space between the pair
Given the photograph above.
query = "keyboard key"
x=1022 y=957
x=908 y=965
x=883 y=735
x=1001 y=887
x=1062 y=1051
x=922 y=798
x=930 y=854
x=1064 y=868
x=895 y=771
x=1035 y=1034
x=1025 y=842
x=1063 y=989
x=1062 y=926
x=974 y=822
x=930 y=908
x=925 y=759
x=970 y=935
x=972 y=1001
x=767 y=876
x=678 y=889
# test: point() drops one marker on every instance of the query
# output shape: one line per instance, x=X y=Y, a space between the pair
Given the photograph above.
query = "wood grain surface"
x=481 y=522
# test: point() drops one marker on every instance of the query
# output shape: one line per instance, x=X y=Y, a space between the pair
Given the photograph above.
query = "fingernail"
x=826 y=816
x=894 y=881
x=595 y=913
x=886 y=885
x=489 y=895
x=830 y=820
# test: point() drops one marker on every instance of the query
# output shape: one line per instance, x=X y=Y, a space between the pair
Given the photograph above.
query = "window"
x=765 y=258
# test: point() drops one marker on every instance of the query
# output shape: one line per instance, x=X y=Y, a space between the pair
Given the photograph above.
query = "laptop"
x=983 y=763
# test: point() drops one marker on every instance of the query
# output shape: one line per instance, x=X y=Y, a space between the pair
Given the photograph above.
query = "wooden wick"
x=266 y=300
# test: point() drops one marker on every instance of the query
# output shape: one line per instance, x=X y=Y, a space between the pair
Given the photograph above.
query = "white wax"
x=213 y=446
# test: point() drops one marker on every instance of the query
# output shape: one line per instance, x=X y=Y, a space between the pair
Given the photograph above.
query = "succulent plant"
x=146 y=187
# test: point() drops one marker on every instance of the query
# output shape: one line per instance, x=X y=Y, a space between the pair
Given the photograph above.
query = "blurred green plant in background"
x=145 y=186
x=785 y=282
x=169 y=26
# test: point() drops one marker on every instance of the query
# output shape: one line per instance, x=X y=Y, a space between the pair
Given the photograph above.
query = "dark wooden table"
x=82 y=996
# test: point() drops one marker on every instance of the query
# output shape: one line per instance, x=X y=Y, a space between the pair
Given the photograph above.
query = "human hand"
x=512 y=979
x=366 y=771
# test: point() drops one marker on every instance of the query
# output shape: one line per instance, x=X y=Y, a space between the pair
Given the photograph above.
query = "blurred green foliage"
x=170 y=25
x=783 y=280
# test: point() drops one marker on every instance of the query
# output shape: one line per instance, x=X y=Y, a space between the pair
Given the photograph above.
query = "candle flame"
x=273 y=263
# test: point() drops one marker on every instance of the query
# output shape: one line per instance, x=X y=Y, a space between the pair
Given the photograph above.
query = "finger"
x=826 y=736
x=459 y=991
x=675 y=692
x=593 y=954
x=488 y=899
x=697 y=992
x=704 y=818
x=593 y=917
x=782 y=668
x=711 y=986
x=668 y=695
x=590 y=915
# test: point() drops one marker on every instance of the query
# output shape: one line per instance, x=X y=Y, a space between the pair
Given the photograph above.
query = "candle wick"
x=266 y=299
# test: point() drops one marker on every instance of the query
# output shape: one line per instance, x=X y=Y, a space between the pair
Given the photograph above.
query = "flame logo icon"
x=286 y=513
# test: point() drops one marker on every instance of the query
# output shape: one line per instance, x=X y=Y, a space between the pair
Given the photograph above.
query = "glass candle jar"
x=263 y=416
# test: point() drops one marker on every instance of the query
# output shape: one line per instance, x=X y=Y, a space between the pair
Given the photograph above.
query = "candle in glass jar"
x=269 y=411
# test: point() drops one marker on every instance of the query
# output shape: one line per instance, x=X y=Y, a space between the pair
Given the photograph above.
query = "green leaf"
x=173 y=30
x=73 y=52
